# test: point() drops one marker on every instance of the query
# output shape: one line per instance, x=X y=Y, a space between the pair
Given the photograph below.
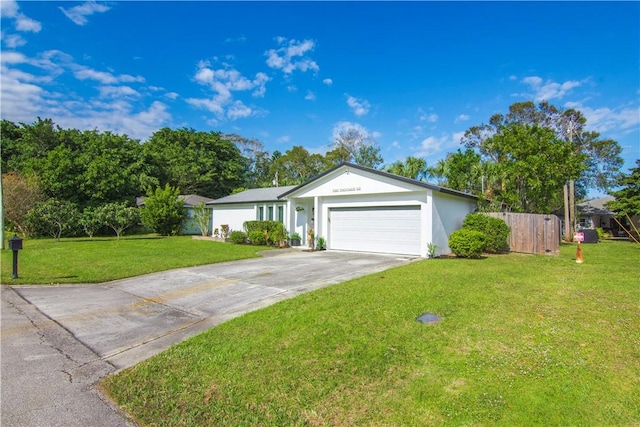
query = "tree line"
x=519 y=161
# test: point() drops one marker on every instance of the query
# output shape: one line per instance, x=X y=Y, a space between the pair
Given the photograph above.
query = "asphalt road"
x=57 y=342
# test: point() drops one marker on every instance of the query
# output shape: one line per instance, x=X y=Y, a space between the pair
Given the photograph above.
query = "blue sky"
x=412 y=75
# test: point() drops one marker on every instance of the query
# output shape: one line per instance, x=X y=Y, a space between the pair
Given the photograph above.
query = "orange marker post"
x=579 y=237
x=579 y=258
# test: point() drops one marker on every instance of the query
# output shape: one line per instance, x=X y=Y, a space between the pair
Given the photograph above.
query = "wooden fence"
x=532 y=233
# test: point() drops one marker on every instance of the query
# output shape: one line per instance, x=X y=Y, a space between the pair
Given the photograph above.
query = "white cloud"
x=238 y=110
x=223 y=82
x=345 y=126
x=605 y=119
x=462 y=118
x=9 y=9
x=328 y=82
x=428 y=117
x=35 y=91
x=310 y=96
x=117 y=91
x=360 y=107
x=284 y=139
x=434 y=146
x=78 y=14
x=85 y=73
x=13 y=41
x=290 y=56
x=546 y=91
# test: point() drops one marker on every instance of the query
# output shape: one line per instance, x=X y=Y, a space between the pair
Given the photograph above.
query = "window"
x=281 y=213
x=270 y=213
x=261 y=213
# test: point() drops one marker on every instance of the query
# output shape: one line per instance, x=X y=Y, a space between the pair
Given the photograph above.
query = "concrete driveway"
x=60 y=340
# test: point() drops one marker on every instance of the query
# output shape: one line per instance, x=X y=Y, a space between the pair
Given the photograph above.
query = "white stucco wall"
x=233 y=215
x=448 y=212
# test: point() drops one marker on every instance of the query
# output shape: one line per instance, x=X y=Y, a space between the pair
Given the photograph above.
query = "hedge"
x=495 y=229
x=467 y=243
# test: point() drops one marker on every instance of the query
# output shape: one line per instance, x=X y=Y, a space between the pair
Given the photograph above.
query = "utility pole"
x=572 y=191
x=567 y=219
x=1 y=214
x=572 y=206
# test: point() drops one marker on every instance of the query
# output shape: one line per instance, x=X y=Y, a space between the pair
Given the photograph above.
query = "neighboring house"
x=593 y=214
x=190 y=202
x=356 y=208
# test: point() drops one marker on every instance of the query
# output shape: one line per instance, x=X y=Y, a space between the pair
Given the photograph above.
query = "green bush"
x=269 y=226
x=164 y=211
x=467 y=243
x=238 y=237
x=257 y=237
x=496 y=230
x=276 y=232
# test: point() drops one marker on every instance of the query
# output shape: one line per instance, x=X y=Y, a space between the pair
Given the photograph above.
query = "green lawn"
x=44 y=261
x=525 y=340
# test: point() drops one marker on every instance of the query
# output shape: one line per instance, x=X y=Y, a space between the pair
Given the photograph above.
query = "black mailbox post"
x=15 y=244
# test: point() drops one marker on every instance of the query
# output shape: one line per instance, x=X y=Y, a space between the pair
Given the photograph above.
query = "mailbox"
x=15 y=243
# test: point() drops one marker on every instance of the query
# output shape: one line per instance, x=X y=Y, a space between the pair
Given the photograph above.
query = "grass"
x=44 y=261
x=525 y=340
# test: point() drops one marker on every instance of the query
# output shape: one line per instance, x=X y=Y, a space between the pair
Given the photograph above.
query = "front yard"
x=524 y=340
x=44 y=261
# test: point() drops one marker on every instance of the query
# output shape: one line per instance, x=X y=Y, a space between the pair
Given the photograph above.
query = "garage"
x=388 y=229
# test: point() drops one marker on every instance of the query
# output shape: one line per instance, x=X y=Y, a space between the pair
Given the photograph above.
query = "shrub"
x=275 y=231
x=53 y=217
x=257 y=237
x=118 y=216
x=496 y=230
x=321 y=243
x=164 y=211
x=238 y=237
x=467 y=243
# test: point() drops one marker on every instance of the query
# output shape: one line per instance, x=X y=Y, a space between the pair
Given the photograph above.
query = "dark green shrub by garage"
x=257 y=237
x=496 y=230
x=272 y=232
x=238 y=237
x=467 y=243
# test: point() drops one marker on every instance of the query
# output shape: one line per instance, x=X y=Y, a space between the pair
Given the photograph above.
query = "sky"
x=414 y=76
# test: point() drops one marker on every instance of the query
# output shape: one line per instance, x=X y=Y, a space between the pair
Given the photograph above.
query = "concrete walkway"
x=58 y=341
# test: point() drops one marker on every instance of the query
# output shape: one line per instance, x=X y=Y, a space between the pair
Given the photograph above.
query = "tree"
x=19 y=195
x=355 y=146
x=202 y=217
x=258 y=160
x=460 y=171
x=297 y=166
x=118 y=216
x=164 y=211
x=53 y=218
x=91 y=221
x=110 y=168
x=601 y=157
x=627 y=199
x=534 y=166
x=412 y=167
x=201 y=163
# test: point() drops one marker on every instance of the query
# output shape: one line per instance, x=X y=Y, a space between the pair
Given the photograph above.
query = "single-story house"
x=593 y=214
x=191 y=201
x=355 y=208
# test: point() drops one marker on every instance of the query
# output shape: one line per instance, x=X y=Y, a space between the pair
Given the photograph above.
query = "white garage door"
x=393 y=229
